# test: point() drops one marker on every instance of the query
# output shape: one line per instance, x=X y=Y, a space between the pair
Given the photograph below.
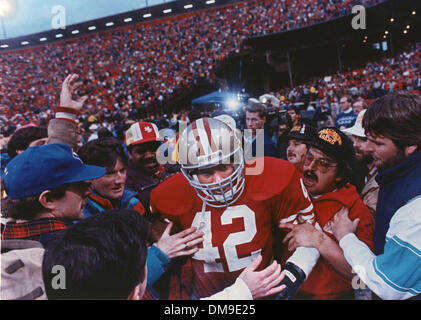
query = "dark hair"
x=285 y=118
x=103 y=152
x=27 y=208
x=103 y=256
x=21 y=139
x=104 y=133
x=256 y=106
x=396 y=116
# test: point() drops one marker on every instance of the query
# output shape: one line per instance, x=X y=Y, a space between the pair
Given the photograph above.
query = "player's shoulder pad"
x=173 y=196
x=274 y=177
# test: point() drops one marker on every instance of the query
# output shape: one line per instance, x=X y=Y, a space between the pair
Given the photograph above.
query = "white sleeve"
x=305 y=258
x=395 y=274
x=238 y=291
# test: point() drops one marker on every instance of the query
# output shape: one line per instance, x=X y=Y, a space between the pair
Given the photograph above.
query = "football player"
x=237 y=210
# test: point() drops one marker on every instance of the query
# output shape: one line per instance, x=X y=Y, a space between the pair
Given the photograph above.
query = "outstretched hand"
x=180 y=244
x=68 y=88
x=263 y=283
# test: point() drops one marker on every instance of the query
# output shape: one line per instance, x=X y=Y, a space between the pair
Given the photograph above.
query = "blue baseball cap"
x=45 y=167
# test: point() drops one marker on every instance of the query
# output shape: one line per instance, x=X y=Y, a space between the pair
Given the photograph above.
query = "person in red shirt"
x=326 y=174
x=237 y=206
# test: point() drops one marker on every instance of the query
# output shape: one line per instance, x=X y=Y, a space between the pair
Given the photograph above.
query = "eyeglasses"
x=320 y=163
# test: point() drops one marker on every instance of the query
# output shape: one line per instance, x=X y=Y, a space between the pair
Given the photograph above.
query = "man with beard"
x=370 y=188
x=297 y=139
x=143 y=171
x=327 y=171
x=393 y=270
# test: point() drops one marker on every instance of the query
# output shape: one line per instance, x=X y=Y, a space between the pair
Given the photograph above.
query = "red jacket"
x=324 y=282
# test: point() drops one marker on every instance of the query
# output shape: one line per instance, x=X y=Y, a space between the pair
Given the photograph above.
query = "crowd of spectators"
x=375 y=79
x=134 y=67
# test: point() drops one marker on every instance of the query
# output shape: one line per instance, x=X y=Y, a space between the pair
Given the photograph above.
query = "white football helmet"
x=207 y=143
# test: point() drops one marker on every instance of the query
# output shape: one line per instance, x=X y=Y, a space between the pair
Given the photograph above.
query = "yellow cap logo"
x=330 y=136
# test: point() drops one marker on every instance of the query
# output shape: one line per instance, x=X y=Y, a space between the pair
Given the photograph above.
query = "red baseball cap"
x=141 y=132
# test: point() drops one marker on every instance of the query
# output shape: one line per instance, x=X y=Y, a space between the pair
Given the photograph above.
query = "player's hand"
x=68 y=88
x=294 y=278
x=180 y=244
x=263 y=283
x=342 y=225
x=301 y=235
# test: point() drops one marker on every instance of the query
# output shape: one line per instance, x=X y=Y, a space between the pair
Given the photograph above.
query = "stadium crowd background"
x=142 y=65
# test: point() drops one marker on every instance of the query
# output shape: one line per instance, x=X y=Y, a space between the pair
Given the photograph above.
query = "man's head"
x=211 y=159
x=48 y=180
x=392 y=125
x=143 y=140
x=359 y=139
x=255 y=115
x=345 y=102
x=284 y=123
x=109 y=154
x=103 y=256
x=294 y=113
x=329 y=162
x=297 y=138
x=26 y=137
x=359 y=105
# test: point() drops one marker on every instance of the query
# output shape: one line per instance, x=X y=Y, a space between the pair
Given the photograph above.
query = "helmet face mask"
x=208 y=143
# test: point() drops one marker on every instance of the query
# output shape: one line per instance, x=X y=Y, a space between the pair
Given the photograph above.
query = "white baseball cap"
x=357 y=129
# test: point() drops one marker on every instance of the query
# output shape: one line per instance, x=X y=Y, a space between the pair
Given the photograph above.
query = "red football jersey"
x=234 y=235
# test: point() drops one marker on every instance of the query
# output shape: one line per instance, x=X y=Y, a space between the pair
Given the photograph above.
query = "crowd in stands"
x=375 y=79
x=146 y=63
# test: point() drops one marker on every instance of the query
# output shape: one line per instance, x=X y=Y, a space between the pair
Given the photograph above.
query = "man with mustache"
x=326 y=174
x=370 y=188
x=297 y=139
x=144 y=172
x=392 y=270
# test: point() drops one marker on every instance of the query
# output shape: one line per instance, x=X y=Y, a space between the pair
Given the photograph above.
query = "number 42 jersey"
x=233 y=235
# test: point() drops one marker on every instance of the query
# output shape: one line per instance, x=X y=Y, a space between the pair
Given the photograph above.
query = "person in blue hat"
x=47 y=188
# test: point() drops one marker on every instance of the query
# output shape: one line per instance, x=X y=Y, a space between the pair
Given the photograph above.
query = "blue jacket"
x=398 y=185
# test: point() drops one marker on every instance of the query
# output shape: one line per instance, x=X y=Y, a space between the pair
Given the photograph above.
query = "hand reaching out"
x=180 y=244
x=67 y=90
x=263 y=283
